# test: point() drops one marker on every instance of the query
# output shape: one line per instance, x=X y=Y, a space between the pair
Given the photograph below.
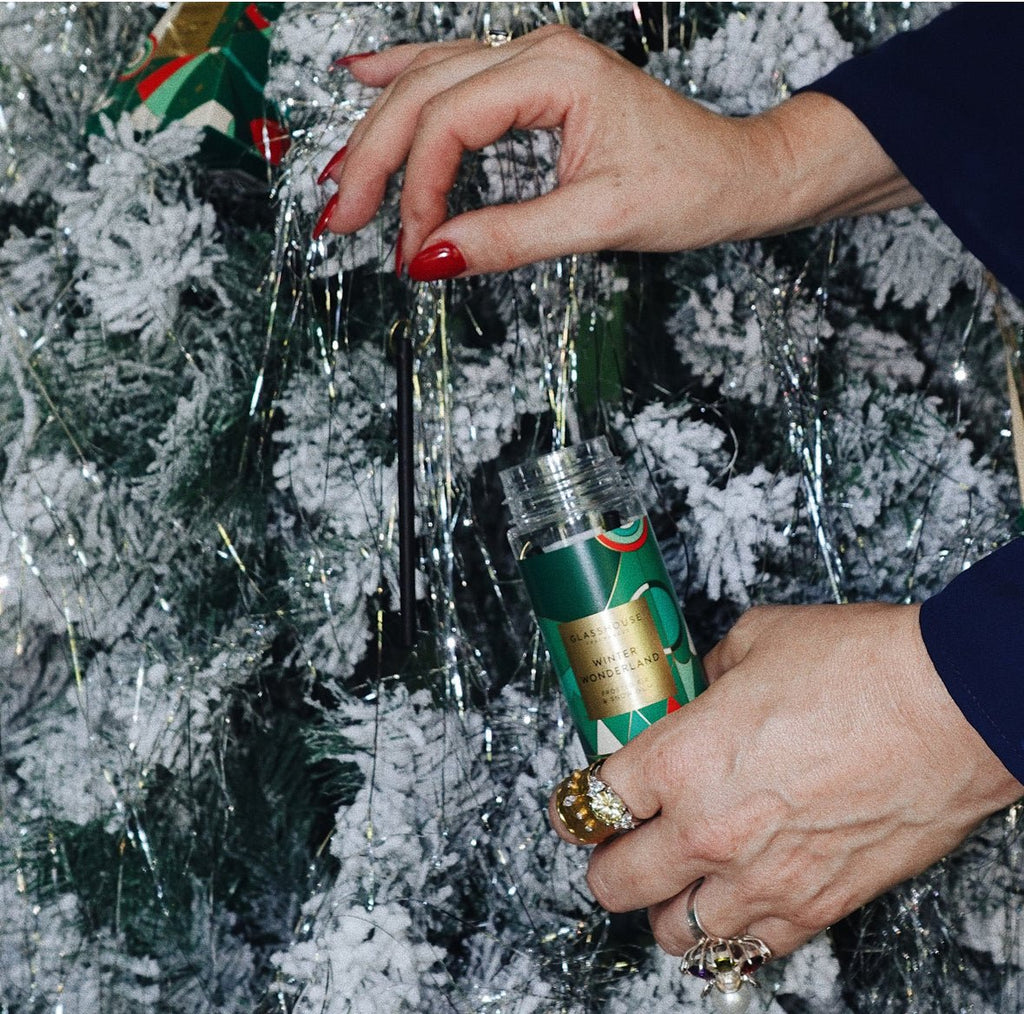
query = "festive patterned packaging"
x=603 y=599
x=205 y=64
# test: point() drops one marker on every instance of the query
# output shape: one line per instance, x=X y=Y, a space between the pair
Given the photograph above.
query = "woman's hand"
x=640 y=166
x=825 y=763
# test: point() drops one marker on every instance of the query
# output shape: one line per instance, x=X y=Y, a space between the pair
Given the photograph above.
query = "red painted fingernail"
x=398 y=254
x=334 y=160
x=442 y=260
x=321 y=223
x=347 y=61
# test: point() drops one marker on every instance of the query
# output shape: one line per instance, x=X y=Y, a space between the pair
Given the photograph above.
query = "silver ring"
x=727 y=963
x=692 y=919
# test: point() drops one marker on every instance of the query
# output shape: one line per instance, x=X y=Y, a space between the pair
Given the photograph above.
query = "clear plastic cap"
x=566 y=485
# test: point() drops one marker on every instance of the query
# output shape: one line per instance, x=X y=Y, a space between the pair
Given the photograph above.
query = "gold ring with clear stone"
x=590 y=808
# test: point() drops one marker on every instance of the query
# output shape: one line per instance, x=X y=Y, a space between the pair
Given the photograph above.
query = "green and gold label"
x=615 y=633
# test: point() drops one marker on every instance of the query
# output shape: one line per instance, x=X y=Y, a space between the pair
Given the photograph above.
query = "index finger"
x=462 y=101
x=636 y=773
x=657 y=766
x=378 y=69
x=380 y=142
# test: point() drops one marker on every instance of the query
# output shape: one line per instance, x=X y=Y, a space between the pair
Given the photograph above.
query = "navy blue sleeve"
x=945 y=102
x=974 y=632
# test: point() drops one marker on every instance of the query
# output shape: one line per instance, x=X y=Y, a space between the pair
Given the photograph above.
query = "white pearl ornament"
x=732 y=1001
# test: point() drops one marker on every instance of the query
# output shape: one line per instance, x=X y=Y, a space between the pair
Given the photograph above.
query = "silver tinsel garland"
x=227 y=785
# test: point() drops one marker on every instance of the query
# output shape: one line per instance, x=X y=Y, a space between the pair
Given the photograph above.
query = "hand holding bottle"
x=825 y=763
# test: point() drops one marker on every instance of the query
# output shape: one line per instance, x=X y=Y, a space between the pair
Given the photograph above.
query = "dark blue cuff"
x=944 y=102
x=974 y=632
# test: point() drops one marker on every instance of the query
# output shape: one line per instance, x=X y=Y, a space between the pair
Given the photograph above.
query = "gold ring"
x=591 y=810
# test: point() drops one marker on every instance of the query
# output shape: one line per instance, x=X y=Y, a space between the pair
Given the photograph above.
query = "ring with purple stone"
x=591 y=810
x=726 y=964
